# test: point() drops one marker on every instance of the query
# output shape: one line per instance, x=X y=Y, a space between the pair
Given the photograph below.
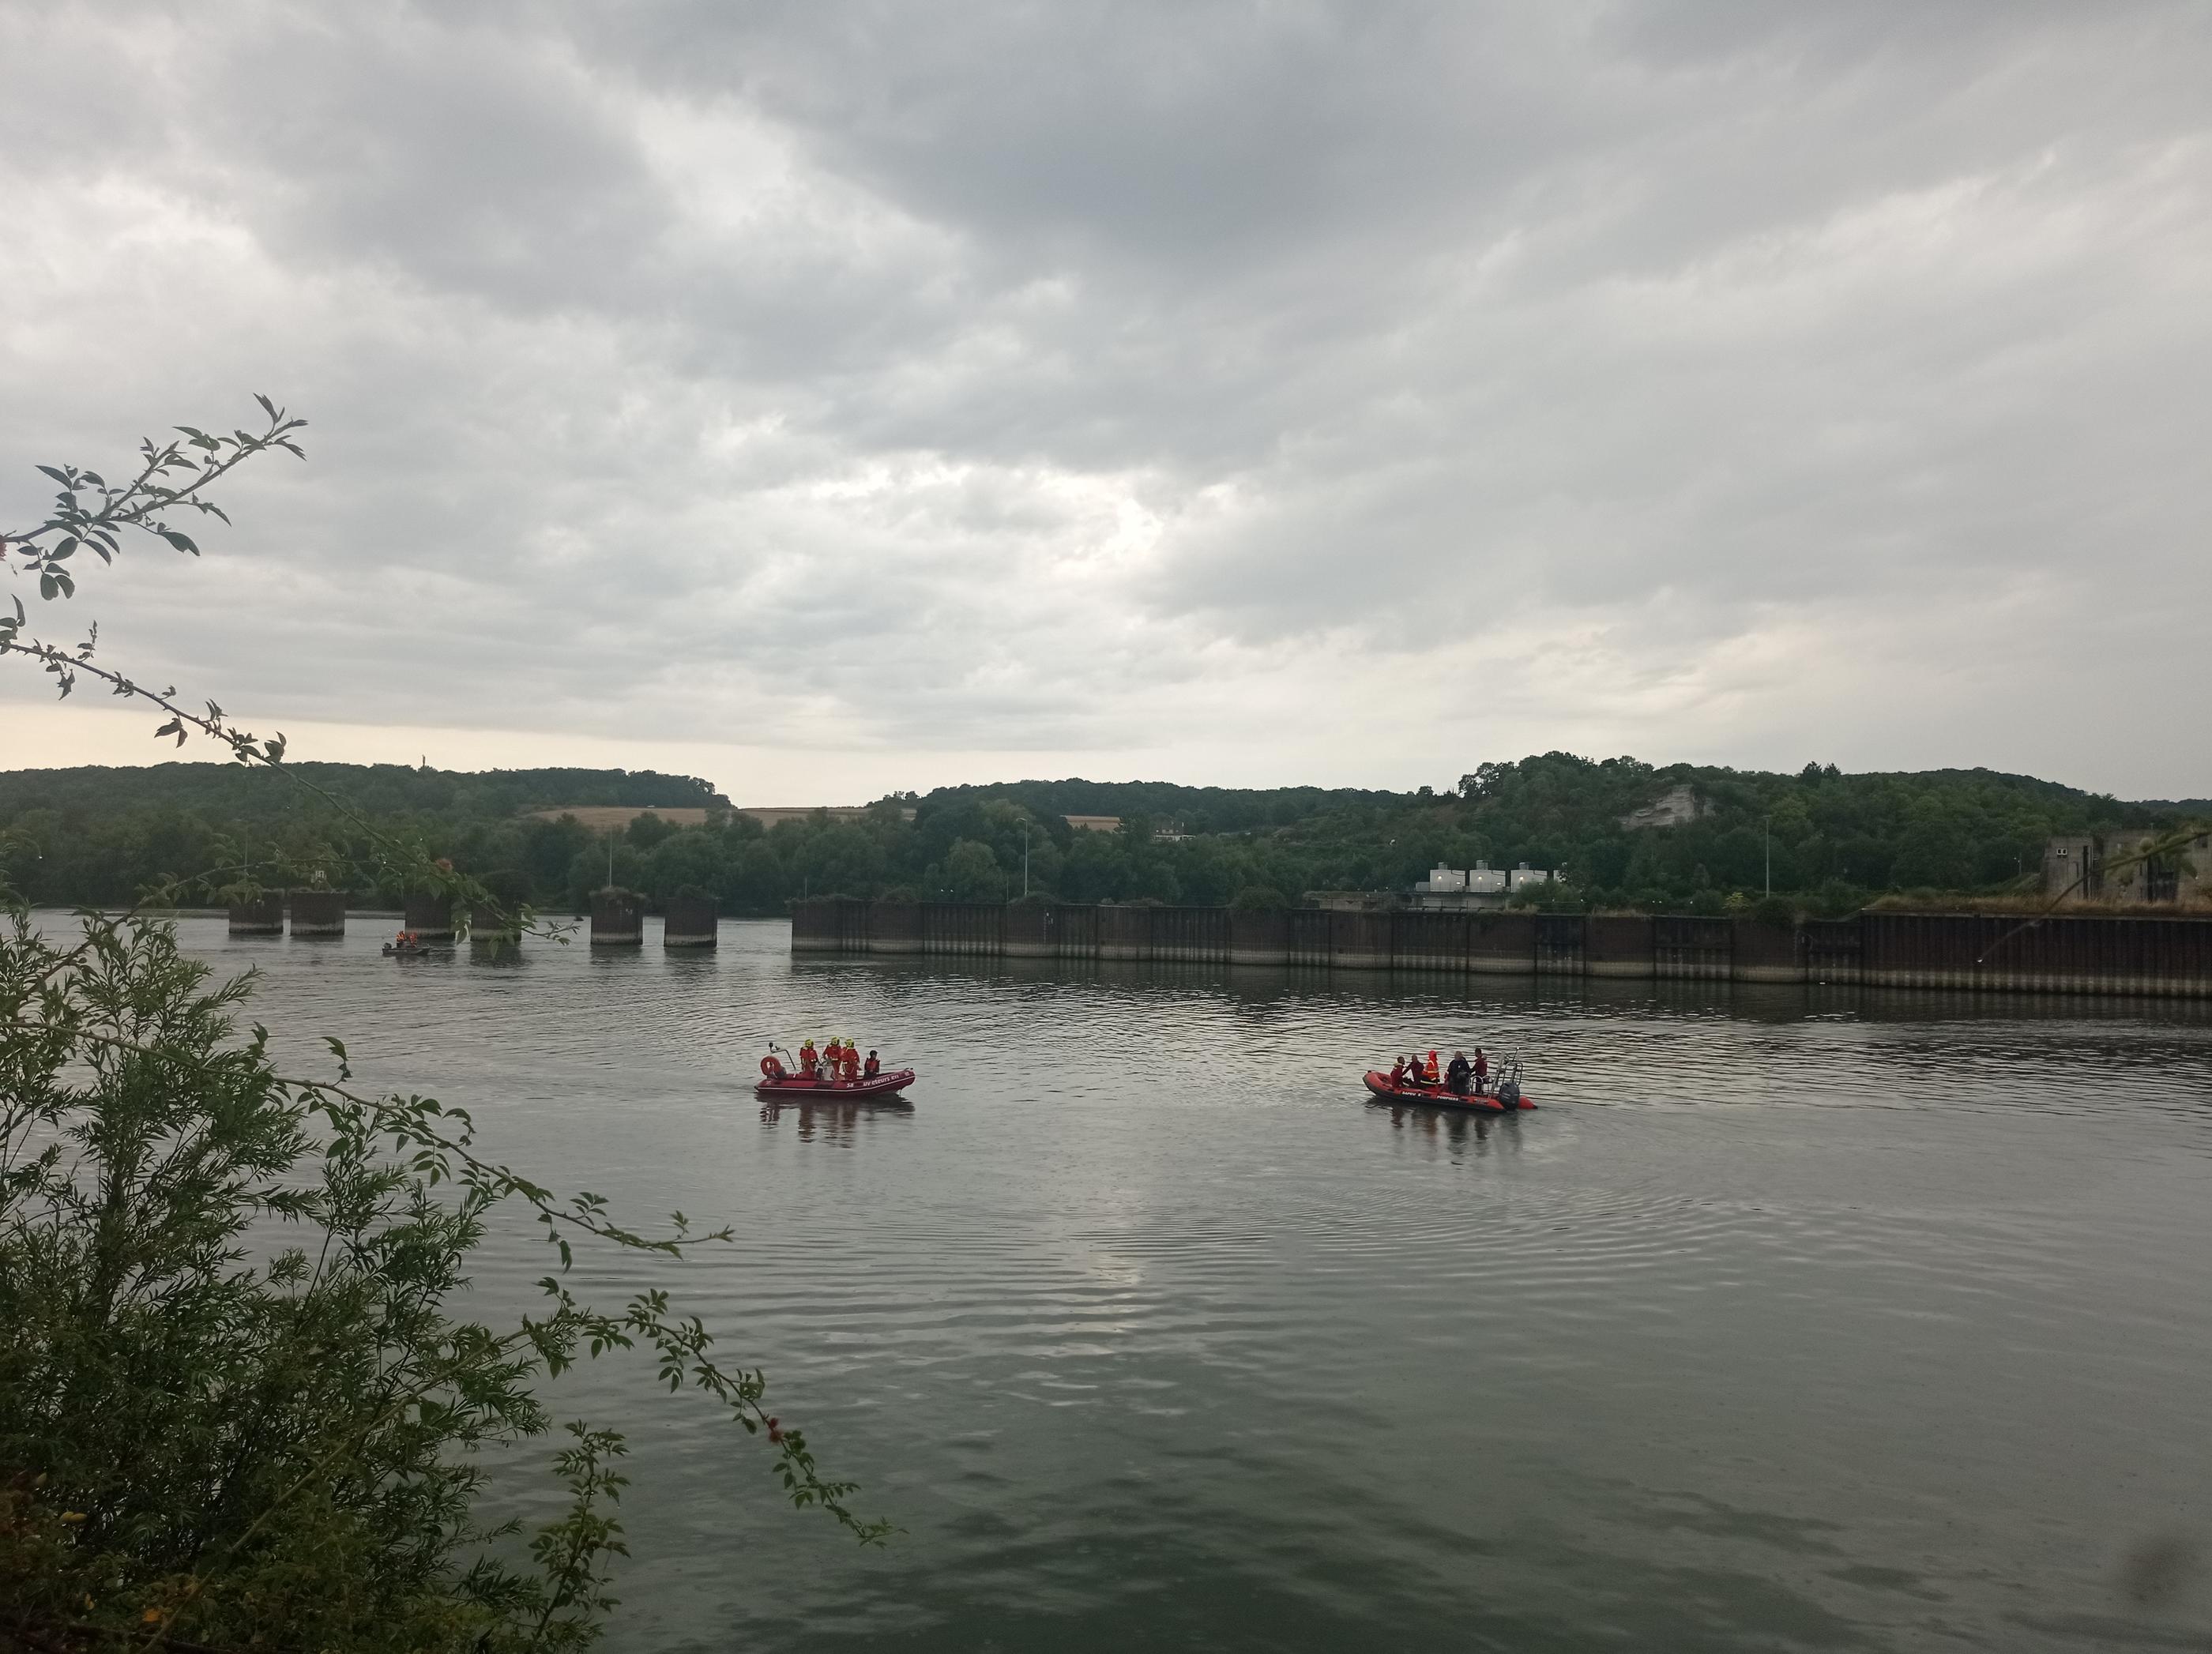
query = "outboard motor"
x=1509 y=1094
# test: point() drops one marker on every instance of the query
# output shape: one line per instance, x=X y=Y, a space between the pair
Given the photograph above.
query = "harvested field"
x=604 y=817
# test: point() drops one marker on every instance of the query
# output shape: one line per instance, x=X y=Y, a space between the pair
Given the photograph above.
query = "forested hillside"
x=237 y=792
x=1191 y=809
x=102 y=835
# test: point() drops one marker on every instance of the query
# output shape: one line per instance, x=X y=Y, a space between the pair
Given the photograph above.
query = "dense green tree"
x=645 y=830
x=1934 y=853
x=841 y=859
x=237 y=1407
x=755 y=880
x=681 y=859
x=1096 y=869
x=549 y=849
x=971 y=873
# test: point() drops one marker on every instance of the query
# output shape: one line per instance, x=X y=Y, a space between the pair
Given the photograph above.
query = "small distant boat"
x=416 y=950
x=1509 y=1098
x=800 y=1087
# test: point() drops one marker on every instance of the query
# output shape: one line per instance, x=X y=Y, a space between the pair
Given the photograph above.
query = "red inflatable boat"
x=1436 y=1096
x=889 y=1082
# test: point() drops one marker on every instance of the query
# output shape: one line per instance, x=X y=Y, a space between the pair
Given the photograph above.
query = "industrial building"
x=2116 y=866
x=1455 y=890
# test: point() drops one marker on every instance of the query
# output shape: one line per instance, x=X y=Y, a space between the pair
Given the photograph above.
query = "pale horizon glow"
x=845 y=400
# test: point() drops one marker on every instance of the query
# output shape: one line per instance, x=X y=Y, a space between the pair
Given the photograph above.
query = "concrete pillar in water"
x=263 y=918
x=493 y=930
x=430 y=917
x=618 y=918
x=691 y=921
x=317 y=913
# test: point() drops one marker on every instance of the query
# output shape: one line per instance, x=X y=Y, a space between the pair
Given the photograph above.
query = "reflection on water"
x=1796 y=1317
x=1455 y=1127
x=835 y=1120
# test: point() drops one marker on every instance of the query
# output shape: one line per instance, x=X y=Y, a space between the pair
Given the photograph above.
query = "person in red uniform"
x=1481 y=1071
x=849 y=1060
x=870 y=1069
x=1430 y=1071
x=809 y=1060
x=1398 y=1072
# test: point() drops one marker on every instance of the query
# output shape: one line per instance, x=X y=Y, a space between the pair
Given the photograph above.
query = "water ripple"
x=1796 y=1317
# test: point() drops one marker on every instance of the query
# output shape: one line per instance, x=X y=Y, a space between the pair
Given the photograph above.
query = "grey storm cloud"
x=1271 y=390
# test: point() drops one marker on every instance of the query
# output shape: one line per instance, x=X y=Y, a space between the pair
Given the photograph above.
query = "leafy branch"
x=89 y=512
x=193 y=1442
x=433 y=1155
x=229 y=1125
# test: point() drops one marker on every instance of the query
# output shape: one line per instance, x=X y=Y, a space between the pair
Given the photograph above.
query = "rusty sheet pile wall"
x=430 y=917
x=2063 y=953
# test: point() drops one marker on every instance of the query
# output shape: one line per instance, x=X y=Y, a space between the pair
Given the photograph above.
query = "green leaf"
x=47 y=587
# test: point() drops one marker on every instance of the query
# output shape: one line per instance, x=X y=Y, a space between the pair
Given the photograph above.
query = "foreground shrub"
x=234 y=1405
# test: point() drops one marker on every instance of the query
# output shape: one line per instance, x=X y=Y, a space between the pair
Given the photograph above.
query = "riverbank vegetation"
x=1826 y=840
x=238 y=1409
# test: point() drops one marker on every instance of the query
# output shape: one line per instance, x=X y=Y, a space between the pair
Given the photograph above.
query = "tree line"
x=1825 y=840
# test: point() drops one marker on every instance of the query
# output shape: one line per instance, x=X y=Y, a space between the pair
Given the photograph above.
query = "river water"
x=1796 y=1319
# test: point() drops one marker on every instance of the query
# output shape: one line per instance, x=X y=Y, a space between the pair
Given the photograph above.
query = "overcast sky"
x=832 y=399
